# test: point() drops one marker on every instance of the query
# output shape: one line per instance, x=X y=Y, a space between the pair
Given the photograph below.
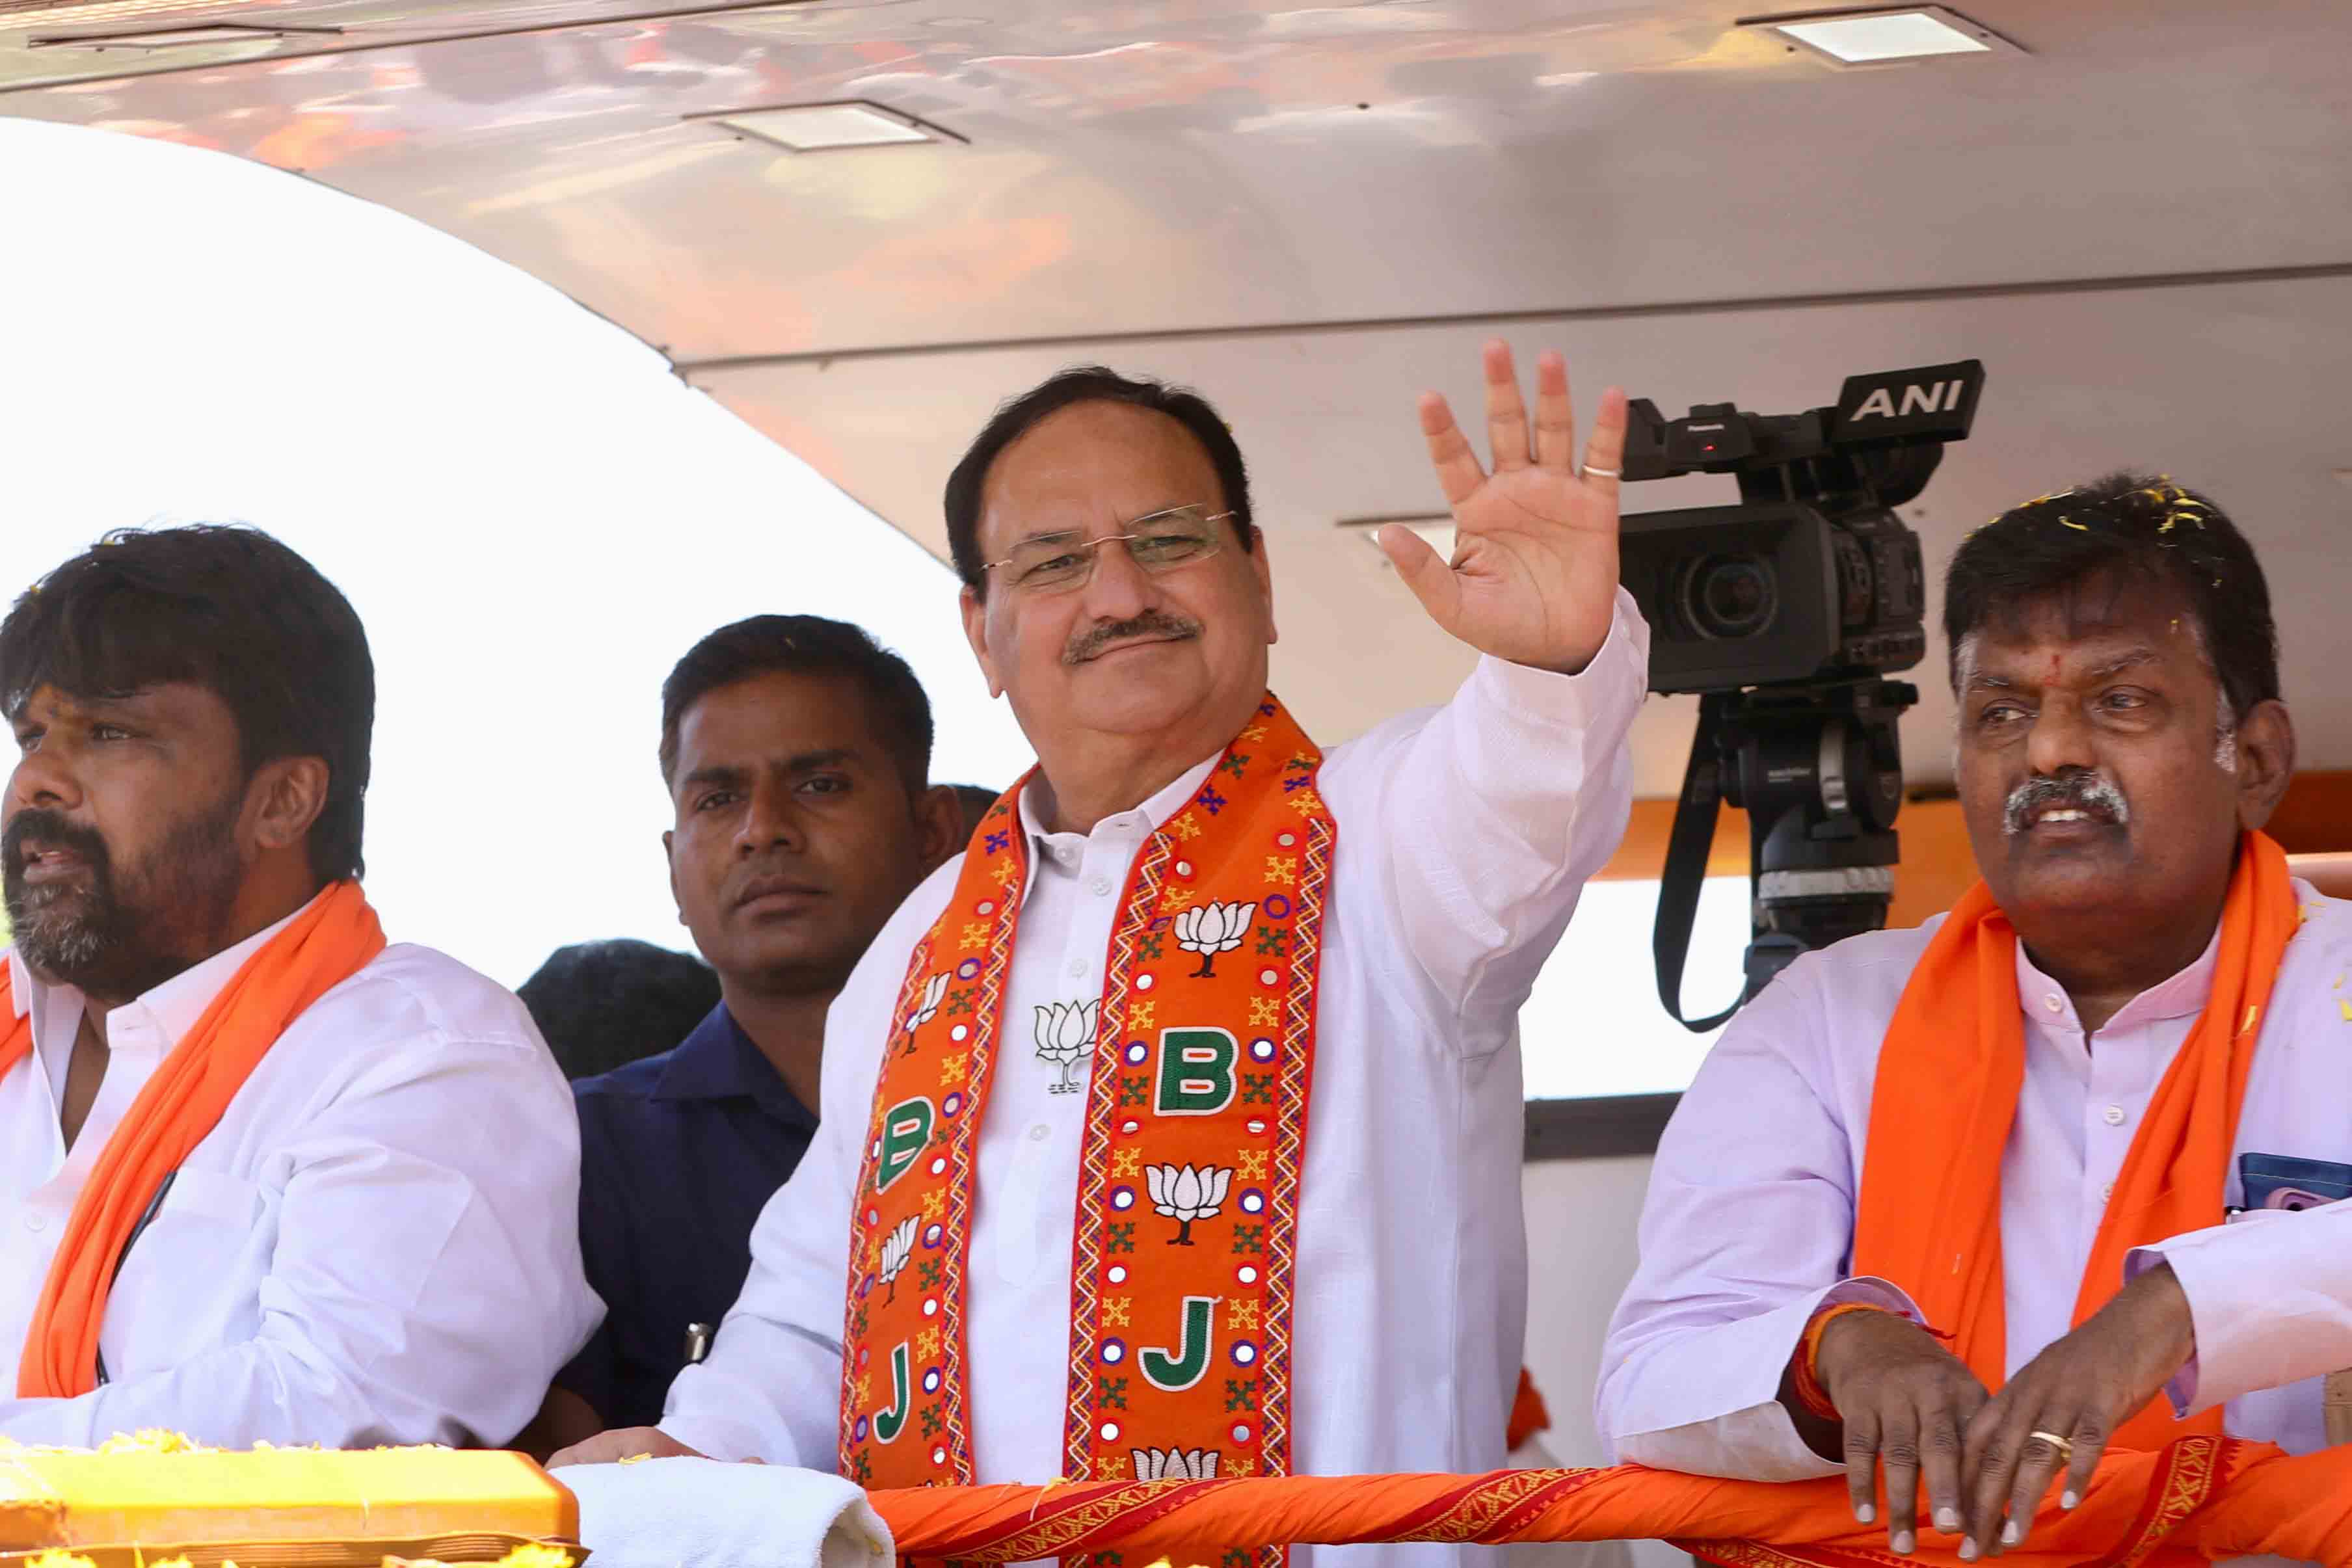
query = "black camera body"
x=1812 y=576
x=1785 y=613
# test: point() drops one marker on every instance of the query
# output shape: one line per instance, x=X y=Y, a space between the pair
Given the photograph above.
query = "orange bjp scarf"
x=1948 y=1077
x=331 y=939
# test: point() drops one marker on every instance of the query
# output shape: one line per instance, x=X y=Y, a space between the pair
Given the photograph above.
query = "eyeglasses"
x=1162 y=542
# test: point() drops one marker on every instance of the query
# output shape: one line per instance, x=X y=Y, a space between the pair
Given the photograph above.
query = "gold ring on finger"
x=2066 y=1449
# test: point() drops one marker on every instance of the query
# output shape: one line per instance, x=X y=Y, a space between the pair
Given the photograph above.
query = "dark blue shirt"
x=679 y=1153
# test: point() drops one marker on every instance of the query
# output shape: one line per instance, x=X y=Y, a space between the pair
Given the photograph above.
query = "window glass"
x=1593 y=1025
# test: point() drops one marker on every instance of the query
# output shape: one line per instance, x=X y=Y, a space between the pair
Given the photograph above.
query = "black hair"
x=1085 y=383
x=805 y=645
x=2129 y=525
x=603 y=1005
x=227 y=608
x=973 y=801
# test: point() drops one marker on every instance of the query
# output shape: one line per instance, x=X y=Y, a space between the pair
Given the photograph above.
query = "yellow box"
x=280 y=1508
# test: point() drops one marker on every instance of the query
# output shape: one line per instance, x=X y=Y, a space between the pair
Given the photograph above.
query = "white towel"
x=700 y=1513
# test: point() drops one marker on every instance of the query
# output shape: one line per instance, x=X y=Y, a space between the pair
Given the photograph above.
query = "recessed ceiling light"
x=16 y=17
x=1882 y=36
x=828 y=127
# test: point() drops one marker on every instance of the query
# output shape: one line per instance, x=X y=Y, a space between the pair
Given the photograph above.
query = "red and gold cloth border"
x=2197 y=1498
x=1198 y=1067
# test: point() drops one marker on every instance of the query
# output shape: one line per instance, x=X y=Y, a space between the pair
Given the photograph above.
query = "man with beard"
x=796 y=751
x=1087 y=1158
x=261 y=1176
x=1974 y=1203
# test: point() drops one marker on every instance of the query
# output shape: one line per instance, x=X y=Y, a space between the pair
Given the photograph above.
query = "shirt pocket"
x=189 y=1282
x=213 y=1196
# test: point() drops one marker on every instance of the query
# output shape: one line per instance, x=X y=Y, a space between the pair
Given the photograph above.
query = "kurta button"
x=1077 y=969
x=1099 y=886
x=2106 y=1192
x=36 y=1224
x=2052 y=1002
x=1040 y=1133
x=2114 y=1115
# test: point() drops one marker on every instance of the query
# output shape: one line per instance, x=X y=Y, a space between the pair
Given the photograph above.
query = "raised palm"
x=1533 y=574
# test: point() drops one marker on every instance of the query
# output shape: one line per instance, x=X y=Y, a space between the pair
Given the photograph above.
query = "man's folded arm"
x=1744 y=1237
x=426 y=1283
x=1494 y=808
x=2271 y=1297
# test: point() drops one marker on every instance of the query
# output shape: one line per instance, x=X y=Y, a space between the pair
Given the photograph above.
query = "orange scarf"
x=1196 y=1059
x=325 y=944
x=1948 y=1077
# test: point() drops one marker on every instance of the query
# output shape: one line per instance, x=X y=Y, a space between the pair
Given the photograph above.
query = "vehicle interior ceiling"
x=2140 y=220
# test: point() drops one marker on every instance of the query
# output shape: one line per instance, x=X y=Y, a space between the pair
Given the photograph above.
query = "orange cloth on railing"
x=1528 y=1416
x=2196 y=1499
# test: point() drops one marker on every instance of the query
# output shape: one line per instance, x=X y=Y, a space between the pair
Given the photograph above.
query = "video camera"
x=1785 y=612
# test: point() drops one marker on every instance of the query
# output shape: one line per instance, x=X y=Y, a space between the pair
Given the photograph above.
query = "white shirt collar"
x=1036 y=799
x=2181 y=995
x=172 y=1008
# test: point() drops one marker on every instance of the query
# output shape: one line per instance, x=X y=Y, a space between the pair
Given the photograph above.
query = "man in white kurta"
x=364 y=1235
x=369 y=1249
x=2120 y=724
x=1465 y=832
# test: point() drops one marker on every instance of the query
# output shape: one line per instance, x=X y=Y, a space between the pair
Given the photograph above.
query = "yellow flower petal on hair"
x=2339 y=1003
x=2069 y=522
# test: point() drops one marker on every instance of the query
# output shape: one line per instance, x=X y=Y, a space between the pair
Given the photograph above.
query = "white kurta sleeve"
x=1490 y=813
x=1744 y=1235
x=771 y=1388
x=426 y=1283
x=2271 y=1297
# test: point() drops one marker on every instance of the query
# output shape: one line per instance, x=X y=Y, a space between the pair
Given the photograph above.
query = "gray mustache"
x=1150 y=622
x=2082 y=792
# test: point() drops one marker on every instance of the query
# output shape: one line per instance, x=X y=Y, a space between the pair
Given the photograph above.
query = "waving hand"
x=1533 y=574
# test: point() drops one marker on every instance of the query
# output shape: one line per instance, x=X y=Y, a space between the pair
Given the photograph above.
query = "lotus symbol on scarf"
x=1210 y=929
x=933 y=990
x=1176 y=1464
x=1066 y=1037
x=895 y=1249
x=1187 y=1193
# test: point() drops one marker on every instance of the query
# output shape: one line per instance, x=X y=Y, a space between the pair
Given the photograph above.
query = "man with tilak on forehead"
x=1174 y=1128
x=1957 y=1210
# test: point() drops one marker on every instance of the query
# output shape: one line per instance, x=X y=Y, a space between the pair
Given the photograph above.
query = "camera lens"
x=1730 y=595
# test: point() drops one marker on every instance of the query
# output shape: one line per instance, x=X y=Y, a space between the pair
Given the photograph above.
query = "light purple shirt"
x=1749 y=1227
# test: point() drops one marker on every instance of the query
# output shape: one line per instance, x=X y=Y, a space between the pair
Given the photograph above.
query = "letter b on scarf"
x=906 y=1128
x=1196 y=1072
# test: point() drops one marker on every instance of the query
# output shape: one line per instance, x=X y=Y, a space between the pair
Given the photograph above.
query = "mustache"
x=1094 y=640
x=2079 y=791
x=52 y=829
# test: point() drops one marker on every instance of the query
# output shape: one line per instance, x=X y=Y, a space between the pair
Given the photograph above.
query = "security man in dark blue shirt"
x=797 y=753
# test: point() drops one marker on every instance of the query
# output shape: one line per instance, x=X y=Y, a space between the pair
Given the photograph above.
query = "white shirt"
x=1464 y=834
x=378 y=1243
x=1749 y=1220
